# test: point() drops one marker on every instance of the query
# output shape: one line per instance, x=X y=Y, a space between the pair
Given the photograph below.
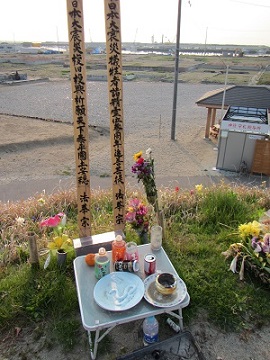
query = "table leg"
x=94 y=346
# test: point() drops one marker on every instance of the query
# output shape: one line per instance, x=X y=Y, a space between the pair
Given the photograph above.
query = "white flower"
x=148 y=153
x=233 y=264
x=20 y=220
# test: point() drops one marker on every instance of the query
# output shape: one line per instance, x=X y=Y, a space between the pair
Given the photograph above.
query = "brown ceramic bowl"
x=166 y=283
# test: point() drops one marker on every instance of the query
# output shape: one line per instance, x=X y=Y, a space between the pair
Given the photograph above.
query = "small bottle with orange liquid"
x=118 y=249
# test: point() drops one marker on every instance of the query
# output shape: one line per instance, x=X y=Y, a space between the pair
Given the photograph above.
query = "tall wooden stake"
x=80 y=120
x=115 y=89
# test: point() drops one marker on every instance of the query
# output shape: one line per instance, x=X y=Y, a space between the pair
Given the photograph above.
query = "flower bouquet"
x=61 y=243
x=144 y=169
x=137 y=216
x=252 y=252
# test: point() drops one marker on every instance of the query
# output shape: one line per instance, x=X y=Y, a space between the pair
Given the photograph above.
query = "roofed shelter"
x=246 y=96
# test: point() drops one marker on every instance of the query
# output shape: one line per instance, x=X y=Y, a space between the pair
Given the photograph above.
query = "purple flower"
x=266 y=243
x=256 y=244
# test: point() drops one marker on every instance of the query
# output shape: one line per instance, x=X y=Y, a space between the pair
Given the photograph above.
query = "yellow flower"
x=250 y=229
x=41 y=201
x=137 y=155
x=59 y=242
x=199 y=187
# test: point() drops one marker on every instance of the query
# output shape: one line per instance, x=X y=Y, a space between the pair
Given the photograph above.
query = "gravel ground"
x=31 y=150
x=36 y=153
x=142 y=101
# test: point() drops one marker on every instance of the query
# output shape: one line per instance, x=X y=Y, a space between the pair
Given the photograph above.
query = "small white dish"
x=154 y=297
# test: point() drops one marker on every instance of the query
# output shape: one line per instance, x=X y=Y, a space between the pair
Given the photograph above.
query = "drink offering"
x=132 y=251
x=102 y=263
x=150 y=330
x=118 y=249
x=156 y=237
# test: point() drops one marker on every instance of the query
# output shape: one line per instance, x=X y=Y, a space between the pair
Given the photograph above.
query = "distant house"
x=246 y=96
x=7 y=48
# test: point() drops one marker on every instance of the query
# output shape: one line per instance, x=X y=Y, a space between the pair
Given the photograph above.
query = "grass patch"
x=199 y=227
x=264 y=79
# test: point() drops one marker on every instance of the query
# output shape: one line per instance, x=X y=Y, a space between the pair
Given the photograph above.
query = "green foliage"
x=222 y=208
x=35 y=294
x=264 y=79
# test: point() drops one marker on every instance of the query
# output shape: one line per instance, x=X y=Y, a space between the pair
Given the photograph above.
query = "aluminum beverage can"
x=126 y=265
x=149 y=264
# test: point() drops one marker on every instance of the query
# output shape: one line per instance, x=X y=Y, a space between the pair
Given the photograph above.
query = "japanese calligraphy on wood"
x=115 y=90
x=79 y=105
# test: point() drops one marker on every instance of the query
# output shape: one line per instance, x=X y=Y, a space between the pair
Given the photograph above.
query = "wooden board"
x=115 y=91
x=80 y=116
x=261 y=159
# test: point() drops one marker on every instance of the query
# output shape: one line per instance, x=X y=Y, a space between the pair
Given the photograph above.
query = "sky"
x=240 y=22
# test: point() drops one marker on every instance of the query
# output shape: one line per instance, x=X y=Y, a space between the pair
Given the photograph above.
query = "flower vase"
x=143 y=235
x=61 y=257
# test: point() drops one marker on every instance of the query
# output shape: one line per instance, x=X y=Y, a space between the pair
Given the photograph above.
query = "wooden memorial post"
x=80 y=120
x=115 y=89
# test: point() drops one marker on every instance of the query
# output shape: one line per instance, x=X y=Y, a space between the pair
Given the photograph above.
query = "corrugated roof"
x=248 y=96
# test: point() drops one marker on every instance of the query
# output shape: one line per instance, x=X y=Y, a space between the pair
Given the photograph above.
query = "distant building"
x=7 y=48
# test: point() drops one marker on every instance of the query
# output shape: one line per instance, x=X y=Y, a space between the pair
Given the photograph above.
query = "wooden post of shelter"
x=213 y=117
x=115 y=90
x=208 y=124
x=79 y=105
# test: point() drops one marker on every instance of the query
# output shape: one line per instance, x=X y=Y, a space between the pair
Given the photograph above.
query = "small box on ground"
x=178 y=347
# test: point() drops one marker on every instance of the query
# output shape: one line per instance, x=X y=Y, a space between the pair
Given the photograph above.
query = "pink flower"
x=53 y=221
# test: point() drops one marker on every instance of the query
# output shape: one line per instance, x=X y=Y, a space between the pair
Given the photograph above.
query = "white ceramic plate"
x=155 y=298
x=119 y=291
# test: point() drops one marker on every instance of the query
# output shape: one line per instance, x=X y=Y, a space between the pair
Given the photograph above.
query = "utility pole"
x=177 y=48
x=224 y=92
x=205 y=41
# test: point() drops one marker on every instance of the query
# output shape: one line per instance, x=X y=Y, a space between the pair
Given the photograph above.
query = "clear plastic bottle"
x=102 y=263
x=118 y=249
x=150 y=330
x=156 y=237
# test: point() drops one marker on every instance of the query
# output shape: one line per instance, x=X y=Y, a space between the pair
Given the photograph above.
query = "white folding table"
x=94 y=318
